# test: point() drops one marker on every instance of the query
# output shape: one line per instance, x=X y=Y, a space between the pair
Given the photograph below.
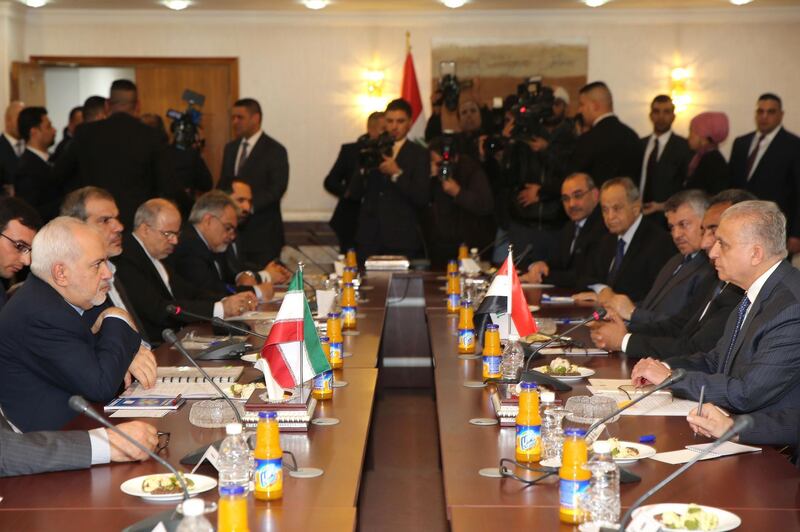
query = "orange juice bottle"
x=574 y=477
x=323 y=383
x=348 y=275
x=492 y=354
x=232 y=509
x=453 y=293
x=463 y=251
x=466 y=329
x=351 y=260
x=452 y=267
x=348 y=306
x=529 y=424
x=269 y=458
x=336 y=340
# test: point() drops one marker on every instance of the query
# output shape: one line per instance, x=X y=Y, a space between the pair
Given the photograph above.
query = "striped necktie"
x=741 y=313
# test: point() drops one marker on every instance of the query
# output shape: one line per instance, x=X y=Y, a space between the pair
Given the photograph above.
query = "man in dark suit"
x=55 y=340
x=11 y=147
x=665 y=160
x=152 y=284
x=33 y=179
x=119 y=154
x=199 y=255
x=262 y=162
x=344 y=221
x=630 y=257
x=687 y=274
x=18 y=225
x=767 y=163
x=610 y=148
x=75 y=119
x=754 y=366
x=699 y=324
x=392 y=195
x=578 y=240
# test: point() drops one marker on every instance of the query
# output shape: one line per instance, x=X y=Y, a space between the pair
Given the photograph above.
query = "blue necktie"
x=612 y=275
x=741 y=311
x=683 y=263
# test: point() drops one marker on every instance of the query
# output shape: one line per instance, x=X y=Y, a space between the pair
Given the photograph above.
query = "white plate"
x=133 y=487
x=645 y=451
x=250 y=357
x=727 y=520
x=585 y=372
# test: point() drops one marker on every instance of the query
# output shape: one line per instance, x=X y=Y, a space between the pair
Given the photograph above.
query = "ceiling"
x=342 y=6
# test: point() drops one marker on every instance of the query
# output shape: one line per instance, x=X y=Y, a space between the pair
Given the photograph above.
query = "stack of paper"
x=660 y=403
x=684 y=455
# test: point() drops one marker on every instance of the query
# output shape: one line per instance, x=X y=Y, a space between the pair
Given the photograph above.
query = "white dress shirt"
x=651 y=143
x=762 y=148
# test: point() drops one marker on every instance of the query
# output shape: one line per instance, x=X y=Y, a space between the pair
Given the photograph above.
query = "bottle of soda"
x=349 y=306
x=323 y=383
x=351 y=260
x=232 y=510
x=452 y=266
x=269 y=458
x=529 y=425
x=574 y=477
x=492 y=355
x=463 y=251
x=466 y=329
x=453 y=293
x=348 y=275
x=194 y=520
x=336 y=340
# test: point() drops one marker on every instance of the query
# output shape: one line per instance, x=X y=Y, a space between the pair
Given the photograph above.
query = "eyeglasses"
x=505 y=472
x=163 y=441
x=22 y=247
x=228 y=227
x=577 y=195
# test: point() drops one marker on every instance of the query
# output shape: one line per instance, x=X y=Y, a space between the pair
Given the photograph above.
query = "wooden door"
x=27 y=84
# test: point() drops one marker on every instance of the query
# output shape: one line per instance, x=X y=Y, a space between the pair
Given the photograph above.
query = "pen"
x=700 y=401
x=176 y=400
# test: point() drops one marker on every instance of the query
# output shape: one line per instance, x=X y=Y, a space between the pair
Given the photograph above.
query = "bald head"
x=595 y=100
x=157 y=224
x=12 y=114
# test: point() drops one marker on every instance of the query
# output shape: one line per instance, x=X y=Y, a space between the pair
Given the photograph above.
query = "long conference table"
x=762 y=488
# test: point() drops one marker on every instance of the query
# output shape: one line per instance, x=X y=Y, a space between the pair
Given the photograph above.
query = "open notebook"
x=661 y=403
x=188 y=383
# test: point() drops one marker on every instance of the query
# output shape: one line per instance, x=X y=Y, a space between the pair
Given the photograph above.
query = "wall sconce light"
x=678 y=88
x=372 y=98
x=374 y=79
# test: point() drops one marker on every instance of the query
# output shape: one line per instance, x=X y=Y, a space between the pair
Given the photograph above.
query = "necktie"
x=612 y=274
x=751 y=159
x=574 y=239
x=741 y=311
x=242 y=158
x=19 y=147
x=650 y=172
x=683 y=263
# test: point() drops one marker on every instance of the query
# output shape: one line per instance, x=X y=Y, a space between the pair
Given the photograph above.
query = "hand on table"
x=239 y=303
x=278 y=273
x=124 y=451
x=143 y=368
x=536 y=272
x=621 y=304
x=649 y=371
x=585 y=296
x=608 y=334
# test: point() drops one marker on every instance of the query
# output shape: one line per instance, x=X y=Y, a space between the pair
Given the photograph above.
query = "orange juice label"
x=491 y=367
x=466 y=340
x=269 y=475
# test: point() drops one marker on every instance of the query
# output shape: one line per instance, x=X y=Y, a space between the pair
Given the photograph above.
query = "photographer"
x=461 y=202
x=392 y=193
x=344 y=221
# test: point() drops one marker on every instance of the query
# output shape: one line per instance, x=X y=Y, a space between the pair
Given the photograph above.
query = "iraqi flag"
x=411 y=94
x=503 y=299
x=292 y=349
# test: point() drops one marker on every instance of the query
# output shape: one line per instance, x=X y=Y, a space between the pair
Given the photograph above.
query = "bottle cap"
x=602 y=447
x=528 y=385
x=333 y=315
x=229 y=490
x=271 y=414
x=193 y=507
x=348 y=284
x=547 y=396
x=492 y=327
x=473 y=251
x=233 y=429
x=324 y=339
x=580 y=433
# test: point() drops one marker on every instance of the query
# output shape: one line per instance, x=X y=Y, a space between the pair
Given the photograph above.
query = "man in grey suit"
x=755 y=365
x=685 y=275
x=41 y=452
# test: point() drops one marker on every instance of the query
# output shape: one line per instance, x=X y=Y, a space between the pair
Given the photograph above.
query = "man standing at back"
x=610 y=148
x=11 y=147
x=261 y=162
x=119 y=154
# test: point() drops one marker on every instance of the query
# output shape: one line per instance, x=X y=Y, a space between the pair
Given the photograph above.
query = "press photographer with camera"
x=344 y=221
x=461 y=202
x=393 y=192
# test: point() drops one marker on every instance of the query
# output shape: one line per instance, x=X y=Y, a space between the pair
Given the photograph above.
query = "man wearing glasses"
x=579 y=238
x=19 y=222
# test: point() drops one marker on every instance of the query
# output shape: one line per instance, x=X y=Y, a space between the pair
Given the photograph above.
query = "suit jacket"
x=8 y=162
x=670 y=170
x=565 y=267
x=266 y=170
x=649 y=249
x=34 y=182
x=672 y=293
x=609 y=149
x=344 y=221
x=388 y=221
x=777 y=176
x=150 y=296
x=711 y=175
x=62 y=146
x=763 y=371
x=687 y=332
x=778 y=427
x=48 y=353
x=42 y=452
x=121 y=155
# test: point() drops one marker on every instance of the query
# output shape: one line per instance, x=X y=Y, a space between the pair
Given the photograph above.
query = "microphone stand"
x=597 y=315
x=218 y=322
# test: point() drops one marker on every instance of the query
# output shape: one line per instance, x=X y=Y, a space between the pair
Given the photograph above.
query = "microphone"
x=525 y=251
x=175 y=310
x=169 y=336
x=741 y=423
x=597 y=315
x=81 y=406
x=677 y=375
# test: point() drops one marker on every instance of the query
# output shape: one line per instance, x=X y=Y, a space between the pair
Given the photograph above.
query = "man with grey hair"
x=153 y=284
x=199 y=256
x=54 y=340
x=630 y=257
x=685 y=275
x=755 y=366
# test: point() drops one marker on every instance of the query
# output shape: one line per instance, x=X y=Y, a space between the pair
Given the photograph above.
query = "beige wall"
x=306 y=68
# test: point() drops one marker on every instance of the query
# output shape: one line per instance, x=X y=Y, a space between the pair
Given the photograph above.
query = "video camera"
x=372 y=151
x=449 y=150
x=531 y=112
x=185 y=125
x=450 y=86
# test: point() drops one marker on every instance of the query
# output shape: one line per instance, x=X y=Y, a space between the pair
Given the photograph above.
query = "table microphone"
x=522 y=255
x=175 y=310
x=740 y=423
x=677 y=375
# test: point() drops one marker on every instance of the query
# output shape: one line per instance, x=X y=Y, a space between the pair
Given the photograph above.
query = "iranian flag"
x=292 y=349
x=503 y=299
